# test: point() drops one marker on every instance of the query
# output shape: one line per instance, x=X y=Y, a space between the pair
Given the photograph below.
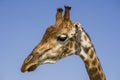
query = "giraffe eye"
x=62 y=38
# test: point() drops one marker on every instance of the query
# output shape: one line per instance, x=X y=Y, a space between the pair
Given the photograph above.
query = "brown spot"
x=86 y=34
x=91 y=53
x=93 y=70
x=72 y=39
x=87 y=63
x=99 y=65
x=82 y=57
x=97 y=76
x=68 y=44
x=94 y=62
x=86 y=50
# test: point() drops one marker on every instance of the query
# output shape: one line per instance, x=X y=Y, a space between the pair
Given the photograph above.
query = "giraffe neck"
x=86 y=51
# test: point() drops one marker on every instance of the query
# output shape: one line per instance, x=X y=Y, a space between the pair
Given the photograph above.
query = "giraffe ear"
x=78 y=26
x=78 y=29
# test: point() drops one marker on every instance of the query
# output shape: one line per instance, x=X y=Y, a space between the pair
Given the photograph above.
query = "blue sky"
x=23 y=23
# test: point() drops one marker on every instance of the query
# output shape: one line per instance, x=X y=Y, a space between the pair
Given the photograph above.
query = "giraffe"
x=63 y=39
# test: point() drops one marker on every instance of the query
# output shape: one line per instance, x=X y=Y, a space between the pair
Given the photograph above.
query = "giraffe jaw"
x=33 y=66
x=32 y=61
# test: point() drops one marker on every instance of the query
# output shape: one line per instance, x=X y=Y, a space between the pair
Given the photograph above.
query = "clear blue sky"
x=22 y=25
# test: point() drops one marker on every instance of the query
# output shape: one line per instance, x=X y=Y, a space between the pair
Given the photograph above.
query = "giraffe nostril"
x=29 y=58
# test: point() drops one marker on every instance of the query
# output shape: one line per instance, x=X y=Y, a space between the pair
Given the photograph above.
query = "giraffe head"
x=58 y=42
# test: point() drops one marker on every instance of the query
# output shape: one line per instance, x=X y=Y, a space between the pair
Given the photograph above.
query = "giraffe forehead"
x=68 y=29
x=51 y=31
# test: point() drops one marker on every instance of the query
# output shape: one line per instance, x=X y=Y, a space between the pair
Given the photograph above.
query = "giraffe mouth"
x=29 y=68
x=32 y=68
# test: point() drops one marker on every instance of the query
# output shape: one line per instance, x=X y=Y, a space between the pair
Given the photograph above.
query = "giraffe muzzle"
x=30 y=67
x=30 y=63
